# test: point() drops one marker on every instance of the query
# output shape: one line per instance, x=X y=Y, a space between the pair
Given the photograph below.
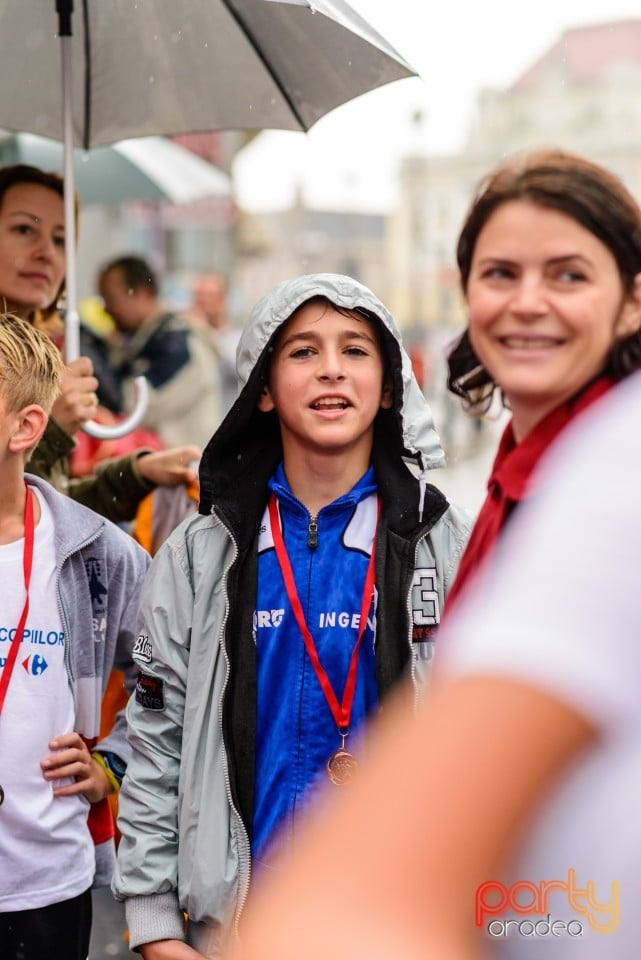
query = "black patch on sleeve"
x=150 y=692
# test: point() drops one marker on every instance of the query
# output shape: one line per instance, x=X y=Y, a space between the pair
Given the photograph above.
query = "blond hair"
x=30 y=365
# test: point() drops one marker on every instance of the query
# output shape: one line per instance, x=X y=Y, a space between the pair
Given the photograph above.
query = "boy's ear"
x=387 y=396
x=265 y=401
x=30 y=424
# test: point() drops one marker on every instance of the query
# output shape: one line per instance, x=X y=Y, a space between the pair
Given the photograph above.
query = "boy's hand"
x=169 y=950
x=77 y=401
x=72 y=759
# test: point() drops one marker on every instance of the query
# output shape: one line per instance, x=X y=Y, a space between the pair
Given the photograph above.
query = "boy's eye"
x=356 y=351
x=301 y=352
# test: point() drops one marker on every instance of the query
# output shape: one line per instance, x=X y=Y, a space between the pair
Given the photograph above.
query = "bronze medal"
x=341 y=767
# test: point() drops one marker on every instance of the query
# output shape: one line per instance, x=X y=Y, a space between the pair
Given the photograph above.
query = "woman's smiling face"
x=546 y=302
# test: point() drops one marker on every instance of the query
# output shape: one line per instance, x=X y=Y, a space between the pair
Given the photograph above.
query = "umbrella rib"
x=87 y=85
x=268 y=68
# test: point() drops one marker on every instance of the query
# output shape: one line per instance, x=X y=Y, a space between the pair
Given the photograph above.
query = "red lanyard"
x=341 y=712
x=27 y=558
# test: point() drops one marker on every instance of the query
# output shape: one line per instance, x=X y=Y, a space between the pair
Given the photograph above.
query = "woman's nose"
x=46 y=247
x=528 y=297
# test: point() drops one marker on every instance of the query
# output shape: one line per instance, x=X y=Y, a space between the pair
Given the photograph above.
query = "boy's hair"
x=30 y=365
x=135 y=273
x=377 y=327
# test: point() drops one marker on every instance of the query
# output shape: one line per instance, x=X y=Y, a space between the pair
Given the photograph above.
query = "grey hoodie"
x=100 y=572
x=186 y=802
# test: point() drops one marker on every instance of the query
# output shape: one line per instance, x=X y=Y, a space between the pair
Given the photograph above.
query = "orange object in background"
x=115 y=699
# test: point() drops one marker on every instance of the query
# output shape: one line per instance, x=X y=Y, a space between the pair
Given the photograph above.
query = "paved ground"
x=107 y=939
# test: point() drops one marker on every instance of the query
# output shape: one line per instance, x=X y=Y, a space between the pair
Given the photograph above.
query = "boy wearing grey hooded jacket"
x=247 y=693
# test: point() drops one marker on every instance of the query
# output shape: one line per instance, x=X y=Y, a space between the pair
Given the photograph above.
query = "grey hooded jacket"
x=186 y=801
x=100 y=572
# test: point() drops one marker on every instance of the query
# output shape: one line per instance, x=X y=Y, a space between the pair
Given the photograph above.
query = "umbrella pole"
x=72 y=318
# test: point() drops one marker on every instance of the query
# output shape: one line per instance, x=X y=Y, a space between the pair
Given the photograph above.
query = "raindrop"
x=349 y=63
x=152 y=79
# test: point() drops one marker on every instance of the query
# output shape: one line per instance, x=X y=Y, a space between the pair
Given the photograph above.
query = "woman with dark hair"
x=550 y=264
x=32 y=273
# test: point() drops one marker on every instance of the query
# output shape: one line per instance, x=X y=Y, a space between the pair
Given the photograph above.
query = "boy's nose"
x=331 y=367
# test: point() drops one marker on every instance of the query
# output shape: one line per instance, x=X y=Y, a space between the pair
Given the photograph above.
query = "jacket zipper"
x=312 y=533
x=244 y=852
x=63 y=613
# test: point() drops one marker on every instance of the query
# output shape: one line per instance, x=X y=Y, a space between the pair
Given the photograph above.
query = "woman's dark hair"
x=588 y=193
x=21 y=173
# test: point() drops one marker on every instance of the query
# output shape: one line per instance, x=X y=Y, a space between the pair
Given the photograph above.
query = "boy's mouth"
x=330 y=403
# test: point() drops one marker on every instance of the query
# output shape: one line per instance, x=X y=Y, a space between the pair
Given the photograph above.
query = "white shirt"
x=561 y=611
x=46 y=851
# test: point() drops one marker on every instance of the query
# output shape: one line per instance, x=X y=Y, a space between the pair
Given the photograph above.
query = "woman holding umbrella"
x=32 y=272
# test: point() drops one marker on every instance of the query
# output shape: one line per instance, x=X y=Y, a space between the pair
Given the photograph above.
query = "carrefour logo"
x=35 y=664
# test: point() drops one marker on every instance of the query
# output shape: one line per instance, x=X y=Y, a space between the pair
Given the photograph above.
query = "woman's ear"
x=265 y=401
x=629 y=321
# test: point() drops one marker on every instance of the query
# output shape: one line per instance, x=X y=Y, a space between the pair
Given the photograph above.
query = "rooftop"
x=587 y=54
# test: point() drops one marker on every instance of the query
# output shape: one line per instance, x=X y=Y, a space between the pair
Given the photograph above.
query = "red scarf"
x=509 y=481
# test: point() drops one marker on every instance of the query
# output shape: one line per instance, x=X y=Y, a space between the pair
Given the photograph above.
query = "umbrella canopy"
x=134 y=69
x=150 y=168
x=174 y=66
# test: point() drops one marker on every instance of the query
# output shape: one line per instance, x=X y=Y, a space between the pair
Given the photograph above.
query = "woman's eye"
x=498 y=273
x=59 y=242
x=355 y=352
x=571 y=276
x=24 y=229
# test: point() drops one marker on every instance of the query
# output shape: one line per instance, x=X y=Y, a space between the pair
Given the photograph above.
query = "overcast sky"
x=349 y=158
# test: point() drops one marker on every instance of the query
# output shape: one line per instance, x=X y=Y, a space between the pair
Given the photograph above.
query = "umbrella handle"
x=113 y=432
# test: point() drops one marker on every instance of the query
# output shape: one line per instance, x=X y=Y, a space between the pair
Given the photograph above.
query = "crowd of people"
x=356 y=715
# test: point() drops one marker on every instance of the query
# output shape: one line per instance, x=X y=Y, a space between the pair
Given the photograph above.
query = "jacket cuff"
x=155 y=917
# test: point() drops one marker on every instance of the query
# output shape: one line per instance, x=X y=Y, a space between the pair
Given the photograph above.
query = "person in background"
x=32 y=271
x=184 y=403
x=550 y=264
x=278 y=619
x=209 y=315
x=503 y=820
x=70 y=588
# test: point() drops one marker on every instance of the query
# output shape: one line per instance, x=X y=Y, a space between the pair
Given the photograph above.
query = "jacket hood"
x=247 y=436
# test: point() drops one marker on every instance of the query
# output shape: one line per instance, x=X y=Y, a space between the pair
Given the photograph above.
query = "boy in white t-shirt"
x=70 y=584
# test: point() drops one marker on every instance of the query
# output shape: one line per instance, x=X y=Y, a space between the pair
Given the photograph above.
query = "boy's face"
x=326 y=381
